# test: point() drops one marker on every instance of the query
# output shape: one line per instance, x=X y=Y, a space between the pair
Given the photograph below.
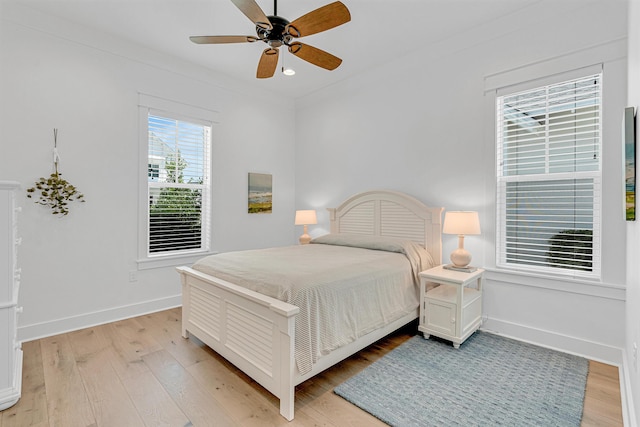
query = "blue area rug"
x=489 y=381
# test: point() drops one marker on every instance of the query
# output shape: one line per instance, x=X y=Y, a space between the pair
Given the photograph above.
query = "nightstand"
x=453 y=309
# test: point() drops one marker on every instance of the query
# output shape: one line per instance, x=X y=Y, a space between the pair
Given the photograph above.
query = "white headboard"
x=390 y=214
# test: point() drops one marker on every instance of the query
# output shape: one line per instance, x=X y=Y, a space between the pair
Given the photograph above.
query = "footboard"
x=254 y=332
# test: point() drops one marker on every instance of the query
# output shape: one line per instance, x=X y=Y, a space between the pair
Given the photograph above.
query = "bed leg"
x=287 y=369
x=185 y=303
x=287 y=406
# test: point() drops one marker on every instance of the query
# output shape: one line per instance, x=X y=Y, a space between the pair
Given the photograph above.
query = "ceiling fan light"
x=288 y=71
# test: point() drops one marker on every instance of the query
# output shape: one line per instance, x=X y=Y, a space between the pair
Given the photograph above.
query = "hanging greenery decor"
x=55 y=191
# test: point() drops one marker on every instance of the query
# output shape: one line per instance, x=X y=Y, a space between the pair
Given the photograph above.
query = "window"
x=178 y=184
x=175 y=193
x=549 y=178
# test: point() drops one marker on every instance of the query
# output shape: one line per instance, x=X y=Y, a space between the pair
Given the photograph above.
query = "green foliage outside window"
x=572 y=249
x=175 y=215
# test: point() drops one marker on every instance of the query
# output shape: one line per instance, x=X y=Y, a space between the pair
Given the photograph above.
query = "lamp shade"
x=306 y=217
x=461 y=222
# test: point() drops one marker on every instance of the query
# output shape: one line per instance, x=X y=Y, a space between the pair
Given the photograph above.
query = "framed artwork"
x=260 y=193
x=629 y=141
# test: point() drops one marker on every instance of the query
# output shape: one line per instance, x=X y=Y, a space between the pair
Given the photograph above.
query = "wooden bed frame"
x=257 y=333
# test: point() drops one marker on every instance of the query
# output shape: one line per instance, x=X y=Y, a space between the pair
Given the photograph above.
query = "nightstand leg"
x=456 y=345
x=425 y=336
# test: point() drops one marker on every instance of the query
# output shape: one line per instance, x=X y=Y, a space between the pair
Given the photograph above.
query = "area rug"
x=490 y=380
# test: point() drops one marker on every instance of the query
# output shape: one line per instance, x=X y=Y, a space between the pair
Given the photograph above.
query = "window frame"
x=502 y=180
x=173 y=110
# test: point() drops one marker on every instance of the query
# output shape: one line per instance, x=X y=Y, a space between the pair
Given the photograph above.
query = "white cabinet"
x=453 y=309
x=10 y=349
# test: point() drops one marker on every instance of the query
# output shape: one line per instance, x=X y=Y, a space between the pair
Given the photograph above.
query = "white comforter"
x=345 y=286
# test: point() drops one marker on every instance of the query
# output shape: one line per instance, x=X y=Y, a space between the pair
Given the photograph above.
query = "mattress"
x=345 y=285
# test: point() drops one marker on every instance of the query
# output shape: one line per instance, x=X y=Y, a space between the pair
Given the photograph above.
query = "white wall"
x=424 y=125
x=419 y=125
x=633 y=229
x=75 y=270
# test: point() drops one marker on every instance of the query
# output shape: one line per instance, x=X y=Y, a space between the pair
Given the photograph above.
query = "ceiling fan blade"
x=268 y=63
x=252 y=11
x=222 y=39
x=319 y=20
x=315 y=56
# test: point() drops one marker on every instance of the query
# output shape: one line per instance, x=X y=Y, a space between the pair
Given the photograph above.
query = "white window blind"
x=549 y=180
x=178 y=184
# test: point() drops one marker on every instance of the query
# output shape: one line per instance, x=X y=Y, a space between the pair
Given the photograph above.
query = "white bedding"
x=344 y=285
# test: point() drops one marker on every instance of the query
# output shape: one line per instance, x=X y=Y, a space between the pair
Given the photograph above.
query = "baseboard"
x=85 y=320
x=553 y=340
x=626 y=392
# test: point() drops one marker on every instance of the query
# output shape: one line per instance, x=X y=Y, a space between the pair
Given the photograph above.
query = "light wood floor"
x=141 y=372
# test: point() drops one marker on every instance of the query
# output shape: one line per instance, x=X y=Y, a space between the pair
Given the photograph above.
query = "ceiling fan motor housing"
x=278 y=34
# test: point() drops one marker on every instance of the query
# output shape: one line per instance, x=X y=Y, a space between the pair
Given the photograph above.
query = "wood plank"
x=130 y=341
x=31 y=409
x=340 y=412
x=109 y=399
x=248 y=403
x=196 y=403
x=602 y=400
x=139 y=340
x=236 y=396
x=67 y=401
x=166 y=330
x=154 y=405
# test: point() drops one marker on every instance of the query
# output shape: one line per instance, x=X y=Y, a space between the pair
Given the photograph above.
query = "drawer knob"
x=453 y=320
x=19 y=309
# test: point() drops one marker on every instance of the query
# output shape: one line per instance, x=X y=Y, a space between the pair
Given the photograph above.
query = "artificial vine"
x=55 y=191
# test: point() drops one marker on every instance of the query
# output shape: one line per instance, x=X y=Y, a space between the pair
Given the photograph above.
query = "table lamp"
x=461 y=223
x=305 y=217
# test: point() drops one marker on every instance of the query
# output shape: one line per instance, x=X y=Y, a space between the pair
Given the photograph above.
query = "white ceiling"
x=380 y=31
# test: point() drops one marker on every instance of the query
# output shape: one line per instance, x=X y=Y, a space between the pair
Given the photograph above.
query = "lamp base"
x=305 y=239
x=460 y=257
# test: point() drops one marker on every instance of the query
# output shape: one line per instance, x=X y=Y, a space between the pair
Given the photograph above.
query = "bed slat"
x=360 y=219
x=205 y=311
x=243 y=324
x=397 y=221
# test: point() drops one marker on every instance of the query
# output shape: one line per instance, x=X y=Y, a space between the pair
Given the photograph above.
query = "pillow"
x=417 y=255
x=388 y=244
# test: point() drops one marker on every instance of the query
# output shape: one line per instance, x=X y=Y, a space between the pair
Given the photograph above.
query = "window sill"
x=171 y=260
x=557 y=283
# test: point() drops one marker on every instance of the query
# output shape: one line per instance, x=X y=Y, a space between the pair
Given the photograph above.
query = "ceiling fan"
x=276 y=31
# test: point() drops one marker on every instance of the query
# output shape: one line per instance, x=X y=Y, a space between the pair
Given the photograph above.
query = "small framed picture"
x=260 y=193
x=629 y=141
